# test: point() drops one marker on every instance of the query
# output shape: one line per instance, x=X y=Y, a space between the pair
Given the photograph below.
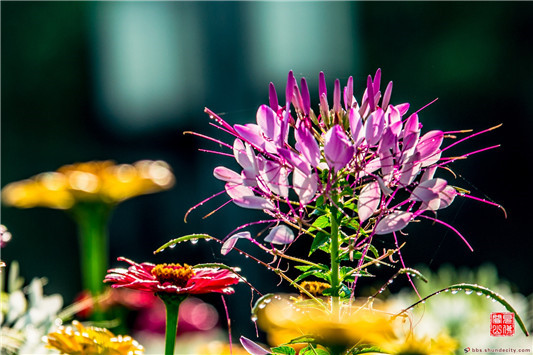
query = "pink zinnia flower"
x=172 y=278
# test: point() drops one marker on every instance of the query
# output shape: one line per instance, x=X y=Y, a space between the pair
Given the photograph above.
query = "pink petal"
x=403 y=108
x=394 y=120
x=244 y=155
x=393 y=222
x=428 y=190
x=428 y=147
x=253 y=348
x=306 y=100
x=308 y=145
x=276 y=177
x=322 y=88
x=348 y=94
x=273 y=97
x=289 y=89
x=244 y=197
x=410 y=170
x=369 y=199
x=305 y=185
x=251 y=133
x=337 y=148
x=268 y=122
x=337 y=96
x=280 y=235
x=411 y=132
x=294 y=159
x=386 y=96
x=374 y=126
x=231 y=241
x=356 y=126
x=225 y=174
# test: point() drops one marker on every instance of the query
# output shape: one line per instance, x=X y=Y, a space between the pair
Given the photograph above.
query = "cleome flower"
x=172 y=278
x=293 y=160
x=87 y=182
x=80 y=340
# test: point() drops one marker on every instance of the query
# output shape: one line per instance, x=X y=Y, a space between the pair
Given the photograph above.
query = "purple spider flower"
x=290 y=158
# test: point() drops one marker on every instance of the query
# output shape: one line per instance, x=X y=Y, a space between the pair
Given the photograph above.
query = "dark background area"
x=93 y=80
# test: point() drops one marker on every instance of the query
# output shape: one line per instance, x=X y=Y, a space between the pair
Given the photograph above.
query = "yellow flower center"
x=315 y=287
x=175 y=274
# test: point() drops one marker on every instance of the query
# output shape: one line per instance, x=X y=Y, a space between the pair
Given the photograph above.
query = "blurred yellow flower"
x=91 y=181
x=80 y=340
x=284 y=319
x=413 y=345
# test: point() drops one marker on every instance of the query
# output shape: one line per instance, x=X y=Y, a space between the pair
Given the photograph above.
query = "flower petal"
x=429 y=147
x=268 y=121
x=305 y=185
x=231 y=241
x=280 y=235
x=337 y=148
x=244 y=197
x=356 y=126
x=374 y=127
x=251 y=133
x=252 y=347
x=228 y=175
x=393 y=222
x=308 y=145
x=368 y=201
x=276 y=177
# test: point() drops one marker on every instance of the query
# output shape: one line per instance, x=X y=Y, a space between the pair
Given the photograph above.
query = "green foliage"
x=284 y=350
x=321 y=241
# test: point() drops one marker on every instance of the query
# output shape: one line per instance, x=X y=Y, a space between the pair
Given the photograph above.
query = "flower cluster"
x=370 y=151
x=80 y=340
x=91 y=181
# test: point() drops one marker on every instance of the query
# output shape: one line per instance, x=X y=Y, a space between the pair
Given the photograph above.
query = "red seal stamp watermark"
x=502 y=324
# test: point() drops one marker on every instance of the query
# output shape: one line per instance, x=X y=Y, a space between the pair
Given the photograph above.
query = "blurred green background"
x=122 y=80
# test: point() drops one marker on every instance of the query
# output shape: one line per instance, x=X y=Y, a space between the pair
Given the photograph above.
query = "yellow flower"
x=284 y=319
x=91 y=181
x=413 y=345
x=80 y=340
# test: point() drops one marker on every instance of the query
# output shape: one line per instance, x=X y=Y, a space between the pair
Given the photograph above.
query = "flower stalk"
x=92 y=219
x=334 y=256
x=172 y=306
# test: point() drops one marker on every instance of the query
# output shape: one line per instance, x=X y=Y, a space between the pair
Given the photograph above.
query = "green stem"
x=334 y=272
x=172 y=306
x=92 y=221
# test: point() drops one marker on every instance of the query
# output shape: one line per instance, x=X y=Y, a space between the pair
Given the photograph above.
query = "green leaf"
x=191 y=237
x=285 y=350
x=365 y=349
x=302 y=339
x=314 y=267
x=351 y=223
x=374 y=250
x=320 y=240
x=345 y=270
x=321 y=222
x=317 y=273
x=310 y=350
